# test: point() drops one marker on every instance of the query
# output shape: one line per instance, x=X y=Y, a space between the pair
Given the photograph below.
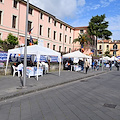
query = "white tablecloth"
x=76 y=67
x=32 y=71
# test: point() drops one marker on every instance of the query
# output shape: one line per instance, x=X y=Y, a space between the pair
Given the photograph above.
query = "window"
x=107 y=46
x=40 y=29
x=70 y=30
x=66 y=28
x=14 y=21
x=65 y=38
x=114 y=53
x=29 y=25
x=48 y=45
x=114 y=46
x=54 y=23
x=70 y=40
x=48 y=32
x=53 y=47
x=0 y=17
x=54 y=37
x=60 y=25
x=30 y=10
x=100 y=47
x=49 y=19
x=69 y=50
x=65 y=50
x=59 y=48
x=81 y=31
x=1 y=0
x=15 y=2
x=41 y=15
x=0 y=36
x=60 y=36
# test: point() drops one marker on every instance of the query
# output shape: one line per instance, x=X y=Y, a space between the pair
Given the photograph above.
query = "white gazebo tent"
x=113 y=58
x=105 y=58
x=77 y=54
x=34 y=50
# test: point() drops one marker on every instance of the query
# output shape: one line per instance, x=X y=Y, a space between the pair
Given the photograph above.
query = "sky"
x=78 y=13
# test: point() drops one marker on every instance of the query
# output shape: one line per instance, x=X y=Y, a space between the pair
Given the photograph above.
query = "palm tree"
x=82 y=39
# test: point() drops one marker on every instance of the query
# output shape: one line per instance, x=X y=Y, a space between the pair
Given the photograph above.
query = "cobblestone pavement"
x=11 y=86
x=93 y=98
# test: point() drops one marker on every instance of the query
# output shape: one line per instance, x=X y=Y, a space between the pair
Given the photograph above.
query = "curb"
x=13 y=95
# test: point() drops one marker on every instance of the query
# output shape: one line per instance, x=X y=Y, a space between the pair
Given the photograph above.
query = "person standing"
x=110 y=65
x=116 y=64
x=86 y=65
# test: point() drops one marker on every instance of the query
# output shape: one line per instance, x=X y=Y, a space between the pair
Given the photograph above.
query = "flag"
x=30 y=30
x=31 y=40
x=92 y=51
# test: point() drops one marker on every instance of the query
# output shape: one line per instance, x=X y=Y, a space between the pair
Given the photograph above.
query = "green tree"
x=98 y=29
x=82 y=39
x=9 y=43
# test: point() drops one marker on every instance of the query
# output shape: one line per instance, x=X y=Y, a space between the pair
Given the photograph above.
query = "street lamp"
x=102 y=54
x=25 y=49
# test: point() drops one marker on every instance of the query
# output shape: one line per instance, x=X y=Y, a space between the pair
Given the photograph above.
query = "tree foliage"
x=82 y=39
x=9 y=43
x=98 y=28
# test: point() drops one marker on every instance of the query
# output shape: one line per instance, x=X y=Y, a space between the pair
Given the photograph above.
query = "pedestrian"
x=116 y=64
x=110 y=65
x=86 y=65
x=95 y=65
x=98 y=65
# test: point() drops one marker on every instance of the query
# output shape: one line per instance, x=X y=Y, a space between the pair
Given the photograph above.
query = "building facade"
x=54 y=33
x=108 y=45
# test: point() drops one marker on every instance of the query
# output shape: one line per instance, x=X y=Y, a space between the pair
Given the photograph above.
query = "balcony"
x=111 y=49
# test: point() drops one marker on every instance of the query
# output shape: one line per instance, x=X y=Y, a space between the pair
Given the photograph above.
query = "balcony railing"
x=114 y=49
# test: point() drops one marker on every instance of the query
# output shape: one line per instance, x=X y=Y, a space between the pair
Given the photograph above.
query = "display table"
x=75 y=67
x=32 y=71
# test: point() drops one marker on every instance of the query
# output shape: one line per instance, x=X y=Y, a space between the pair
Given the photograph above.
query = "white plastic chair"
x=15 y=70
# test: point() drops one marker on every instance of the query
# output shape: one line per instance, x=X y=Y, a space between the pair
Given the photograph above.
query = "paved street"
x=94 y=98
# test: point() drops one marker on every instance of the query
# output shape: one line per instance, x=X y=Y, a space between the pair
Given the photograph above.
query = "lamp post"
x=102 y=54
x=25 y=48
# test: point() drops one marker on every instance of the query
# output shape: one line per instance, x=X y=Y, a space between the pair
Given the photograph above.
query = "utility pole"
x=25 y=48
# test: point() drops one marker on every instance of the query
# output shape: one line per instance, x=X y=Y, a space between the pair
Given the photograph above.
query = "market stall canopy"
x=105 y=58
x=34 y=50
x=76 y=54
x=113 y=58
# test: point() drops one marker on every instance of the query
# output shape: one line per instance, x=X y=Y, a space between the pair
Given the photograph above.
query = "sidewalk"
x=11 y=86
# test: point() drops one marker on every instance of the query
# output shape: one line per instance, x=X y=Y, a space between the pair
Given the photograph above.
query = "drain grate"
x=109 y=105
x=83 y=80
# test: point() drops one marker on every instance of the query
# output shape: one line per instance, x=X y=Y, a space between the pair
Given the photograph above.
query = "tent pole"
x=37 y=69
x=7 y=63
x=59 y=66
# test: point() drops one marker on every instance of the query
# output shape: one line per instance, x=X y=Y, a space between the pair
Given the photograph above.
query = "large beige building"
x=108 y=45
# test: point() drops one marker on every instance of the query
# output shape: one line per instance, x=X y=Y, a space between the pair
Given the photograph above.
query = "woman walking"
x=86 y=65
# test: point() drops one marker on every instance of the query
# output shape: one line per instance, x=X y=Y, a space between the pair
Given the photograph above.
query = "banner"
x=19 y=58
x=3 y=56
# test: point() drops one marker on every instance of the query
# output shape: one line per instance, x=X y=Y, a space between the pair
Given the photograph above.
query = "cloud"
x=81 y=2
x=106 y=3
x=114 y=26
x=59 y=8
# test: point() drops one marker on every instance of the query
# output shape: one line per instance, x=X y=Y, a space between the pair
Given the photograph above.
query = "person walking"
x=86 y=65
x=110 y=65
x=116 y=64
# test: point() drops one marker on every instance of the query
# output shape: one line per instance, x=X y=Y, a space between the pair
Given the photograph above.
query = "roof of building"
x=104 y=41
x=52 y=16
